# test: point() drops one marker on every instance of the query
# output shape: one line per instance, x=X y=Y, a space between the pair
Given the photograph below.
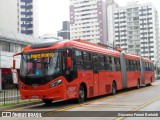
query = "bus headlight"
x=57 y=82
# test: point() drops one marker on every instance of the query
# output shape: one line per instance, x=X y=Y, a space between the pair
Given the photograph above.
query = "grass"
x=17 y=103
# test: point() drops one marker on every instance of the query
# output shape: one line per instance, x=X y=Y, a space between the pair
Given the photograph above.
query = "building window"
x=4 y=46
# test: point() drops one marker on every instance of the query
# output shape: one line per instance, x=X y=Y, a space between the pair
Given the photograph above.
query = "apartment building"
x=65 y=31
x=88 y=20
x=19 y=16
x=136 y=29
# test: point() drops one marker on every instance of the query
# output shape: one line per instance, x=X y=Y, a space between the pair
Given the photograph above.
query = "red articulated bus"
x=63 y=70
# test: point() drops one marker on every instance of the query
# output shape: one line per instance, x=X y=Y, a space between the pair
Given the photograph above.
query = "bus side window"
x=153 y=68
x=59 y=62
x=134 y=65
x=145 y=66
x=130 y=66
x=127 y=64
x=110 y=63
x=87 y=60
x=107 y=63
x=101 y=62
x=149 y=66
x=64 y=60
x=79 y=60
x=139 y=66
x=118 y=67
x=95 y=62
x=113 y=64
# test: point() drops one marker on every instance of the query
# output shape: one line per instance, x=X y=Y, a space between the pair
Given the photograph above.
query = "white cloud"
x=53 y=12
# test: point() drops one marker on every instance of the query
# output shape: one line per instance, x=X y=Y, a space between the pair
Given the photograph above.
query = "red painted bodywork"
x=97 y=84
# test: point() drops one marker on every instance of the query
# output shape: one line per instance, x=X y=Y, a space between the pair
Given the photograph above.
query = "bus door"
x=142 y=71
x=95 y=75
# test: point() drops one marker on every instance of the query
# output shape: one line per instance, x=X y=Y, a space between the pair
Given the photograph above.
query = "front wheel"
x=81 y=95
x=113 y=88
x=47 y=101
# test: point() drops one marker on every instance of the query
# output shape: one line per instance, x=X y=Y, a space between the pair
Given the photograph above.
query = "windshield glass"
x=40 y=64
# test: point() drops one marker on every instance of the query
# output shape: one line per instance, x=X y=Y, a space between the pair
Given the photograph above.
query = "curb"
x=20 y=105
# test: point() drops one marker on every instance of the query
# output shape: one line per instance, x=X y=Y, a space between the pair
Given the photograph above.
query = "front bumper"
x=56 y=93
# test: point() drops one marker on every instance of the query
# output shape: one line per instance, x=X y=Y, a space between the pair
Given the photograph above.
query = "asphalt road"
x=143 y=99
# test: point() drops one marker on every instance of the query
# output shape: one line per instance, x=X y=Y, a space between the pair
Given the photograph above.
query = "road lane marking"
x=140 y=107
x=93 y=101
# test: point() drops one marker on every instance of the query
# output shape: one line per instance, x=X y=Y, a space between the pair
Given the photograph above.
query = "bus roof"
x=129 y=56
x=70 y=43
x=93 y=48
x=147 y=60
x=79 y=44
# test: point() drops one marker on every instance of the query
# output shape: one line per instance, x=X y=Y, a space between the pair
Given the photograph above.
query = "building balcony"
x=26 y=7
x=27 y=32
x=26 y=19
x=124 y=38
x=27 y=1
x=27 y=25
x=26 y=13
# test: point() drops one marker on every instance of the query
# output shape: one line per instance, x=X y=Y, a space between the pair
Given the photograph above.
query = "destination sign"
x=41 y=55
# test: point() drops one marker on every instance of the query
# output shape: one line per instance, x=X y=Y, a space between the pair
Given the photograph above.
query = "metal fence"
x=9 y=94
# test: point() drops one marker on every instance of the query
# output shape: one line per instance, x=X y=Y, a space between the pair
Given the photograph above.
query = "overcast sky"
x=53 y=12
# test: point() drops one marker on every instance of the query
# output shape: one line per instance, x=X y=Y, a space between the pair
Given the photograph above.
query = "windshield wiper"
x=30 y=69
x=28 y=72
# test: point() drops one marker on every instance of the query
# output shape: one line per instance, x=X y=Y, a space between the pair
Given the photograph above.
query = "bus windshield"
x=40 y=64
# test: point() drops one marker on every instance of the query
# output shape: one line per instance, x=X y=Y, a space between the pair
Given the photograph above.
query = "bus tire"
x=113 y=88
x=150 y=84
x=81 y=94
x=138 y=84
x=47 y=101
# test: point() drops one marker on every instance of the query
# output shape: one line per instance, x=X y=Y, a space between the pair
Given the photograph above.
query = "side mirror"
x=69 y=62
x=14 y=64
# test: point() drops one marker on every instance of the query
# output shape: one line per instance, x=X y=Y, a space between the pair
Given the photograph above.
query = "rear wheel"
x=150 y=84
x=113 y=88
x=47 y=101
x=81 y=95
x=138 y=84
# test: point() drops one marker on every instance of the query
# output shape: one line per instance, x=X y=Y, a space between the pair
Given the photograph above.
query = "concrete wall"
x=9 y=15
x=6 y=60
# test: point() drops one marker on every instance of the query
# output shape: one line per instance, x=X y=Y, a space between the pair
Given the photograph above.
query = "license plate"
x=35 y=97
